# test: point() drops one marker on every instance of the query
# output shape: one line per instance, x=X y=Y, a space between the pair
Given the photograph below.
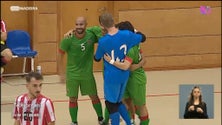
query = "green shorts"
x=136 y=91
x=87 y=87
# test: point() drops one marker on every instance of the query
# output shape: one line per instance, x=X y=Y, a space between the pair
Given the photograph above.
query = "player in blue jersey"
x=116 y=43
x=135 y=93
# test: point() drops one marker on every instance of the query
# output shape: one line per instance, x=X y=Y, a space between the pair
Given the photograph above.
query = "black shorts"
x=3 y=47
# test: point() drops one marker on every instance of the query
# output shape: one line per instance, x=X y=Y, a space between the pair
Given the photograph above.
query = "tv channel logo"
x=18 y=8
x=205 y=10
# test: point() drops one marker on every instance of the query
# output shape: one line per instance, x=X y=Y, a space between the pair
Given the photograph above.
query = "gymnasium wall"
x=14 y=21
x=178 y=35
x=45 y=33
x=89 y=9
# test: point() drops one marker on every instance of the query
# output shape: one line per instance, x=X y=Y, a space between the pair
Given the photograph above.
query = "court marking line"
x=149 y=95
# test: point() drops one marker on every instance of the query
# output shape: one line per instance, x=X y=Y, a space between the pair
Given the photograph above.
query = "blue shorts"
x=114 y=88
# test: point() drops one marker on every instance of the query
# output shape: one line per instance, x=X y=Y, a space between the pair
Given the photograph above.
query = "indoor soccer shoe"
x=101 y=122
x=132 y=122
x=74 y=123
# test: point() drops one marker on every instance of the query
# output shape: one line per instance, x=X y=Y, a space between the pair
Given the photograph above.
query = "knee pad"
x=112 y=107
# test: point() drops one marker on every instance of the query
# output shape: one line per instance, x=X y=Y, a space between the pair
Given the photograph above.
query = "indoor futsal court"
x=162 y=97
x=182 y=50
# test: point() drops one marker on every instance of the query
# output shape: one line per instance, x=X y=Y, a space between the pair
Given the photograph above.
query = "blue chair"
x=19 y=43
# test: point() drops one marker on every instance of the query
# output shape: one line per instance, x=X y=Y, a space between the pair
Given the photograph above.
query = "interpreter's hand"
x=199 y=110
x=107 y=57
x=191 y=108
x=69 y=33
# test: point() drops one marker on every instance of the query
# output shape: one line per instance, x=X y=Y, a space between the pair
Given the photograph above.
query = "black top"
x=194 y=114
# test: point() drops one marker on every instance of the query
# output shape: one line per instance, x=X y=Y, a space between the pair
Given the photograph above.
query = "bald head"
x=80 y=25
x=81 y=19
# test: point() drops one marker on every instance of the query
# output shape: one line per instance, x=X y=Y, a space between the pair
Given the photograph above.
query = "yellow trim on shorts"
x=2 y=42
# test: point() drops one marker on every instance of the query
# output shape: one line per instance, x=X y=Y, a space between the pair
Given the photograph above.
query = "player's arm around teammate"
x=136 y=86
x=115 y=43
x=122 y=65
x=79 y=48
x=126 y=64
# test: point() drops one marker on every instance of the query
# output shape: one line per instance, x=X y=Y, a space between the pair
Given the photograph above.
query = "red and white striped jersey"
x=3 y=27
x=38 y=111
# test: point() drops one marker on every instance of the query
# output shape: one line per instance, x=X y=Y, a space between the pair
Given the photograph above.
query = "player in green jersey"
x=79 y=67
x=135 y=93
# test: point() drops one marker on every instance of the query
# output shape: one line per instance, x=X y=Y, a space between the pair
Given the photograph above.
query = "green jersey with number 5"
x=80 y=53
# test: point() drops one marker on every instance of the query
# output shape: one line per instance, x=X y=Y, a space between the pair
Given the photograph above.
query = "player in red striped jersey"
x=33 y=108
x=6 y=54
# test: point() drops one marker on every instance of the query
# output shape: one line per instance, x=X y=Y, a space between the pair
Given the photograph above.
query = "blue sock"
x=124 y=113
x=115 y=118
